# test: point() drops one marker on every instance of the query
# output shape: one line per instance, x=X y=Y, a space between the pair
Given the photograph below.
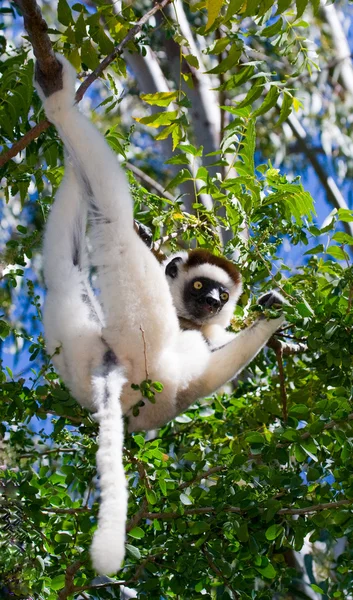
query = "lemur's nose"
x=213 y=302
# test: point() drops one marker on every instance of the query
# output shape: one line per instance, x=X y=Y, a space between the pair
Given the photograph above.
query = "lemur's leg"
x=125 y=265
x=72 y=315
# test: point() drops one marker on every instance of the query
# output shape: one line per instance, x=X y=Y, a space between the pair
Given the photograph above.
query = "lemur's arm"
x=226 y=362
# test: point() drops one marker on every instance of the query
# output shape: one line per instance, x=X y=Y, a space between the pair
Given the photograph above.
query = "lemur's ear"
x=171 y=269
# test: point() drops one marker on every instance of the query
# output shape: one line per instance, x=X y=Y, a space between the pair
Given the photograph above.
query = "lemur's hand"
x=57 y=97
x=272 y=300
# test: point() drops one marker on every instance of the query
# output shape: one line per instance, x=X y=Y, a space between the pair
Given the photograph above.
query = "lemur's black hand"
x=271 y=300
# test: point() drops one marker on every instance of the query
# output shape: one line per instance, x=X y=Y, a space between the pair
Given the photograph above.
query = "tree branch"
x=37 y=28
x=69 y=580
x=287 y=348
x=219 y=573
x=40 y=39
x=236 y=509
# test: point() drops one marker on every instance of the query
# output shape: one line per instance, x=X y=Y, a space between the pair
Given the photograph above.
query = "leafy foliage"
x=221 y=498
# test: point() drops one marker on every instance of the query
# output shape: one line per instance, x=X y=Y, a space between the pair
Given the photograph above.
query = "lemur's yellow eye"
x=197 y=285
x=224 y=296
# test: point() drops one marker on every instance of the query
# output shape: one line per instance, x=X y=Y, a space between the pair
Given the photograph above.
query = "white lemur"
x=165 y=321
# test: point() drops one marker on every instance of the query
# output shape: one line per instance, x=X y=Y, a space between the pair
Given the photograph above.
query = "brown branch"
x=329 y=425
x=37 y=28
x=69 y=580
x=286 y=348
x=46 y=452
x=236 y=509
x=43 y=125
x=314 y=508
x=67 y=511
x=76 y=420
x=17 y=147
x=308 y=434
x=282 y=381
x=219 y=573
x=137 y=516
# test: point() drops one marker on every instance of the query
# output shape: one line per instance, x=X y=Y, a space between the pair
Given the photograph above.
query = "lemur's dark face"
x=204 y=287
x=204 y=298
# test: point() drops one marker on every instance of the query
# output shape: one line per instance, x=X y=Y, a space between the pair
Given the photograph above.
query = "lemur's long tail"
x=108 y=546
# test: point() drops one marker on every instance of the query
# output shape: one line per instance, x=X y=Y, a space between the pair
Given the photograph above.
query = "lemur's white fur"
x=104 y=350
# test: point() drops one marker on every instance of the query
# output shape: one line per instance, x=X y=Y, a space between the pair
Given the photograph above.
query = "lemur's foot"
x=57 y=96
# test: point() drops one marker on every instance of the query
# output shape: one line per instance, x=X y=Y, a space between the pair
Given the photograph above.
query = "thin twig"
x=282 y=383
x=202 y=475
x=144 y=351
x=150 y=182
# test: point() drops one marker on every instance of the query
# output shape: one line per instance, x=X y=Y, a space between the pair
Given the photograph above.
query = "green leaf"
x=316 y=588
x=254 y=93
x=64 y=13
x=243 y=533
x=160 y=98
x=274 y=531
x=345 y=215
x=304 y=309
x=58 y=582
x=301 y=6
x=286 y=108
x=199 y=527
x=213 y=10
x=343 y=238
x=299 y=453
x=183 y=175
x=158 y=119
x=337 y=252
x=273 y=29
x=80 y=29
x=137 y=533
x=247 y=151
x=300 y=411
x=133 y=551
x=184 y=499
x=140 y=440
x=255 y=438
x=229 y=62
x=89 y=55
x=151 y=497
x=316 y=250
x=282 y=6
x=269 y=102
x=106 y=46
x=268 y=571
x=192 y=60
